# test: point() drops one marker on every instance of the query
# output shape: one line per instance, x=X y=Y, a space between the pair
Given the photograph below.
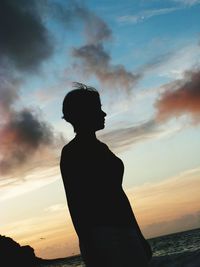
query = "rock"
x=12 y=254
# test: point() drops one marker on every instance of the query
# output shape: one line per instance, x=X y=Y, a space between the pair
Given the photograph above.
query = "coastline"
x=69 y=260
x=183 y=259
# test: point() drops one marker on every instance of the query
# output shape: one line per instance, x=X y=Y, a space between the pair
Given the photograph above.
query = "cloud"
x=22 y=131
x=70 y=12
x=20 y=137
x=24 y=46
x=149 y=13
x=122 y=138
x=187 y=2
x=180 y=97
x=9 y=87
x=183 y=223
x=94 y=60
x=161 y=206
x=172 y=64
x=27 y=140
x=25 y=41
x=146 y=14
x=41 y=174
x=57 y=207
x=96 y=30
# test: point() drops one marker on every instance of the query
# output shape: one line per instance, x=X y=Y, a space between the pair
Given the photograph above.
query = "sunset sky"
x=143 y=56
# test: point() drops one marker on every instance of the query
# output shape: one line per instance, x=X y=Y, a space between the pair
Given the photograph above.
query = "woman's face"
x=96 y=116
x=100 y=122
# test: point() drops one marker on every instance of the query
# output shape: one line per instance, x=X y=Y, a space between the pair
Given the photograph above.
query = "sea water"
x=174 y=250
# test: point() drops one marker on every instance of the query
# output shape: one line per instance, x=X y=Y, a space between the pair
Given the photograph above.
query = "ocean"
x=174 y=250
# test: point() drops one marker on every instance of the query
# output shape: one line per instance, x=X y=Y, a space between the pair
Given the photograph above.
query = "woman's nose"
x=104 y=114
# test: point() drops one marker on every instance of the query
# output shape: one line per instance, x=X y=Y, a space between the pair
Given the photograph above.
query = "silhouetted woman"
x=109 y=235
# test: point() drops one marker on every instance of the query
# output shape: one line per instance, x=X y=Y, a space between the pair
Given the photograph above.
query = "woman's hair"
x=79 y=102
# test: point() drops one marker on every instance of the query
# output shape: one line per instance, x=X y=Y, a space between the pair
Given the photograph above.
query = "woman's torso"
x=92 y=177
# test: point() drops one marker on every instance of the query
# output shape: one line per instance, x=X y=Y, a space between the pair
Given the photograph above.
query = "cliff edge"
x=12 y=254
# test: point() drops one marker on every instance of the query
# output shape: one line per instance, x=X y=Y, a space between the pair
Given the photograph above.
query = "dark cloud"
x=121 y=138
x=24 y=39
x=96 y=61
x=68 y=12
x=93 y=58
x=22 y=132
x=181 y=97
x=24 y=45
x=21 y=137
x=96 y=30
x=9 y=92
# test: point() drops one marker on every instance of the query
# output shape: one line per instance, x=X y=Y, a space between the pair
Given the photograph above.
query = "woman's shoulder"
x=79 y=148
x=68 y=148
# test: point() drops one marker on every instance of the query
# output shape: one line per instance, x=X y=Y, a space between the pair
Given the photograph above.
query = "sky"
x=144 y=59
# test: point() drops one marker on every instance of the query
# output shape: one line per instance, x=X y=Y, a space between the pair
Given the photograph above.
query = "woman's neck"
x=85 y=135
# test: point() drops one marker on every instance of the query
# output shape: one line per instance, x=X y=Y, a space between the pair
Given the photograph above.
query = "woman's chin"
x=100 y=127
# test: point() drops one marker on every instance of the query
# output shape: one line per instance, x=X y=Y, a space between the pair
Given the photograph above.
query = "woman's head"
x=82 y=108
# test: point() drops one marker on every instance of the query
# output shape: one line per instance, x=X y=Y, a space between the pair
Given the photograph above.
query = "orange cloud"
x=21 y=137
x=165 y=203
x=183 y=98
